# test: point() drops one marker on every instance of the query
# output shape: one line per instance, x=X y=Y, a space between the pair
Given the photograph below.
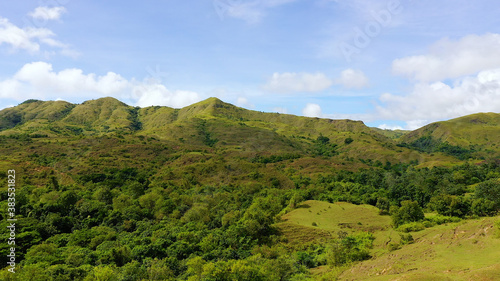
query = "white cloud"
x=243 y=102
x=429 y=102
x=157 y=94
x=312 y=110
x=250 y=11
x=29 y=38
x=352 y=79
x=281 y=110
x=39 y=80
x=46 y=13
x=452 y=58
x=297 y=82
x=390 y=127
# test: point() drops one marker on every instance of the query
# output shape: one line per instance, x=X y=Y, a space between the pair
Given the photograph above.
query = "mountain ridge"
x=213 y=121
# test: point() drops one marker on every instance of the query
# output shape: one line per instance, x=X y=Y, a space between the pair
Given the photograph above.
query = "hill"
x=474 y=135
x=392 y=134
x=213 y=124
x=458 y=251
x=211 y=191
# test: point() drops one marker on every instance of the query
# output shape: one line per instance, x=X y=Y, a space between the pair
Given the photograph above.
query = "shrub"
x=350 y=248
x=490 y=190
x=394 y=246
x=411 y=227
x=448 y=205
x=410 y=211
x=406 y=239
x=483 y=207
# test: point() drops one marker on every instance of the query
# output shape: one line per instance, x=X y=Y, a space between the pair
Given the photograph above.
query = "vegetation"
x=214 y=192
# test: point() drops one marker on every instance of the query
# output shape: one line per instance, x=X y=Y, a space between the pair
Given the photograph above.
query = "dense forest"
x=208 y=198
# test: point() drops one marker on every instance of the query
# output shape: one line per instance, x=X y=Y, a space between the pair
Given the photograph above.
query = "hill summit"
x=221 y=124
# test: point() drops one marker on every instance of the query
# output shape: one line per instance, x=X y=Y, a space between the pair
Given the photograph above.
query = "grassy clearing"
x=338 y=216
x=315 y=221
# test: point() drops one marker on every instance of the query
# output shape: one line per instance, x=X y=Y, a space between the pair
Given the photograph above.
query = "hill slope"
x=211 y=191
x=212 y=124
x=476 y=134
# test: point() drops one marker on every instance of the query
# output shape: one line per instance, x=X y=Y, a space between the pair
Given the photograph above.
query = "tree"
x=409 y=211
x=490 y=190
x=483 y=207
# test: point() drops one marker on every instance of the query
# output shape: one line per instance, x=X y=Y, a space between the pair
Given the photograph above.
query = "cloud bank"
x=38 y=80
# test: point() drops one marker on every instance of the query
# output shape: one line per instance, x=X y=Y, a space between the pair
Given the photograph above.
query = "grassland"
x=466 y=250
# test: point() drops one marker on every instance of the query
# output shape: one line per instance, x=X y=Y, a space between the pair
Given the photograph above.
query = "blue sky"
x=392 y=64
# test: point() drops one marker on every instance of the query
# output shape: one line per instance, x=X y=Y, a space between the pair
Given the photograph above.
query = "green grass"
x=338 y=216
x=330 y=219
x=479 y=131
x=467 y=250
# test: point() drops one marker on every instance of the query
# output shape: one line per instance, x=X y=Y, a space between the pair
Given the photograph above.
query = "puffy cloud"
x=243 y=102
x=429 y=102
x=297 y=82
x=352 y=79
x=39 y=80
x=390 y=127
x=46 y=13
x=29 y=38
x=312 y=110
x=157 y=94
x=452 y=59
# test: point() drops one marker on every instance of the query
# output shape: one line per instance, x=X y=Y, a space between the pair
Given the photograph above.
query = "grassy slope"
x=392 y=134
x=481 y=130
x=227 y=129
x=330 y=218
x=466 y=250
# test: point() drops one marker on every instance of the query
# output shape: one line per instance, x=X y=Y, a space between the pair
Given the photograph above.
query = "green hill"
x=211 y=191
x=473 y=135
x=214 y=124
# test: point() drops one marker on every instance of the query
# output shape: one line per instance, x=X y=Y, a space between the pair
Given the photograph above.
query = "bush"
x=305 y=259
x=410 y=211
x=383 y=205
x=351 y=248
x=394 y=246
x=406 y=239
x=411 y=227
x=489 y=190
x=483 y=207
x=448 y=205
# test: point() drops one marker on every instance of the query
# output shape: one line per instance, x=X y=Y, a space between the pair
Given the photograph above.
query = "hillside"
x=211 y=124
x=473 y=135
x=211 y=191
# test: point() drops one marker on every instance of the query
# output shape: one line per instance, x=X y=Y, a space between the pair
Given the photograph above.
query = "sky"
x=394 y=64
